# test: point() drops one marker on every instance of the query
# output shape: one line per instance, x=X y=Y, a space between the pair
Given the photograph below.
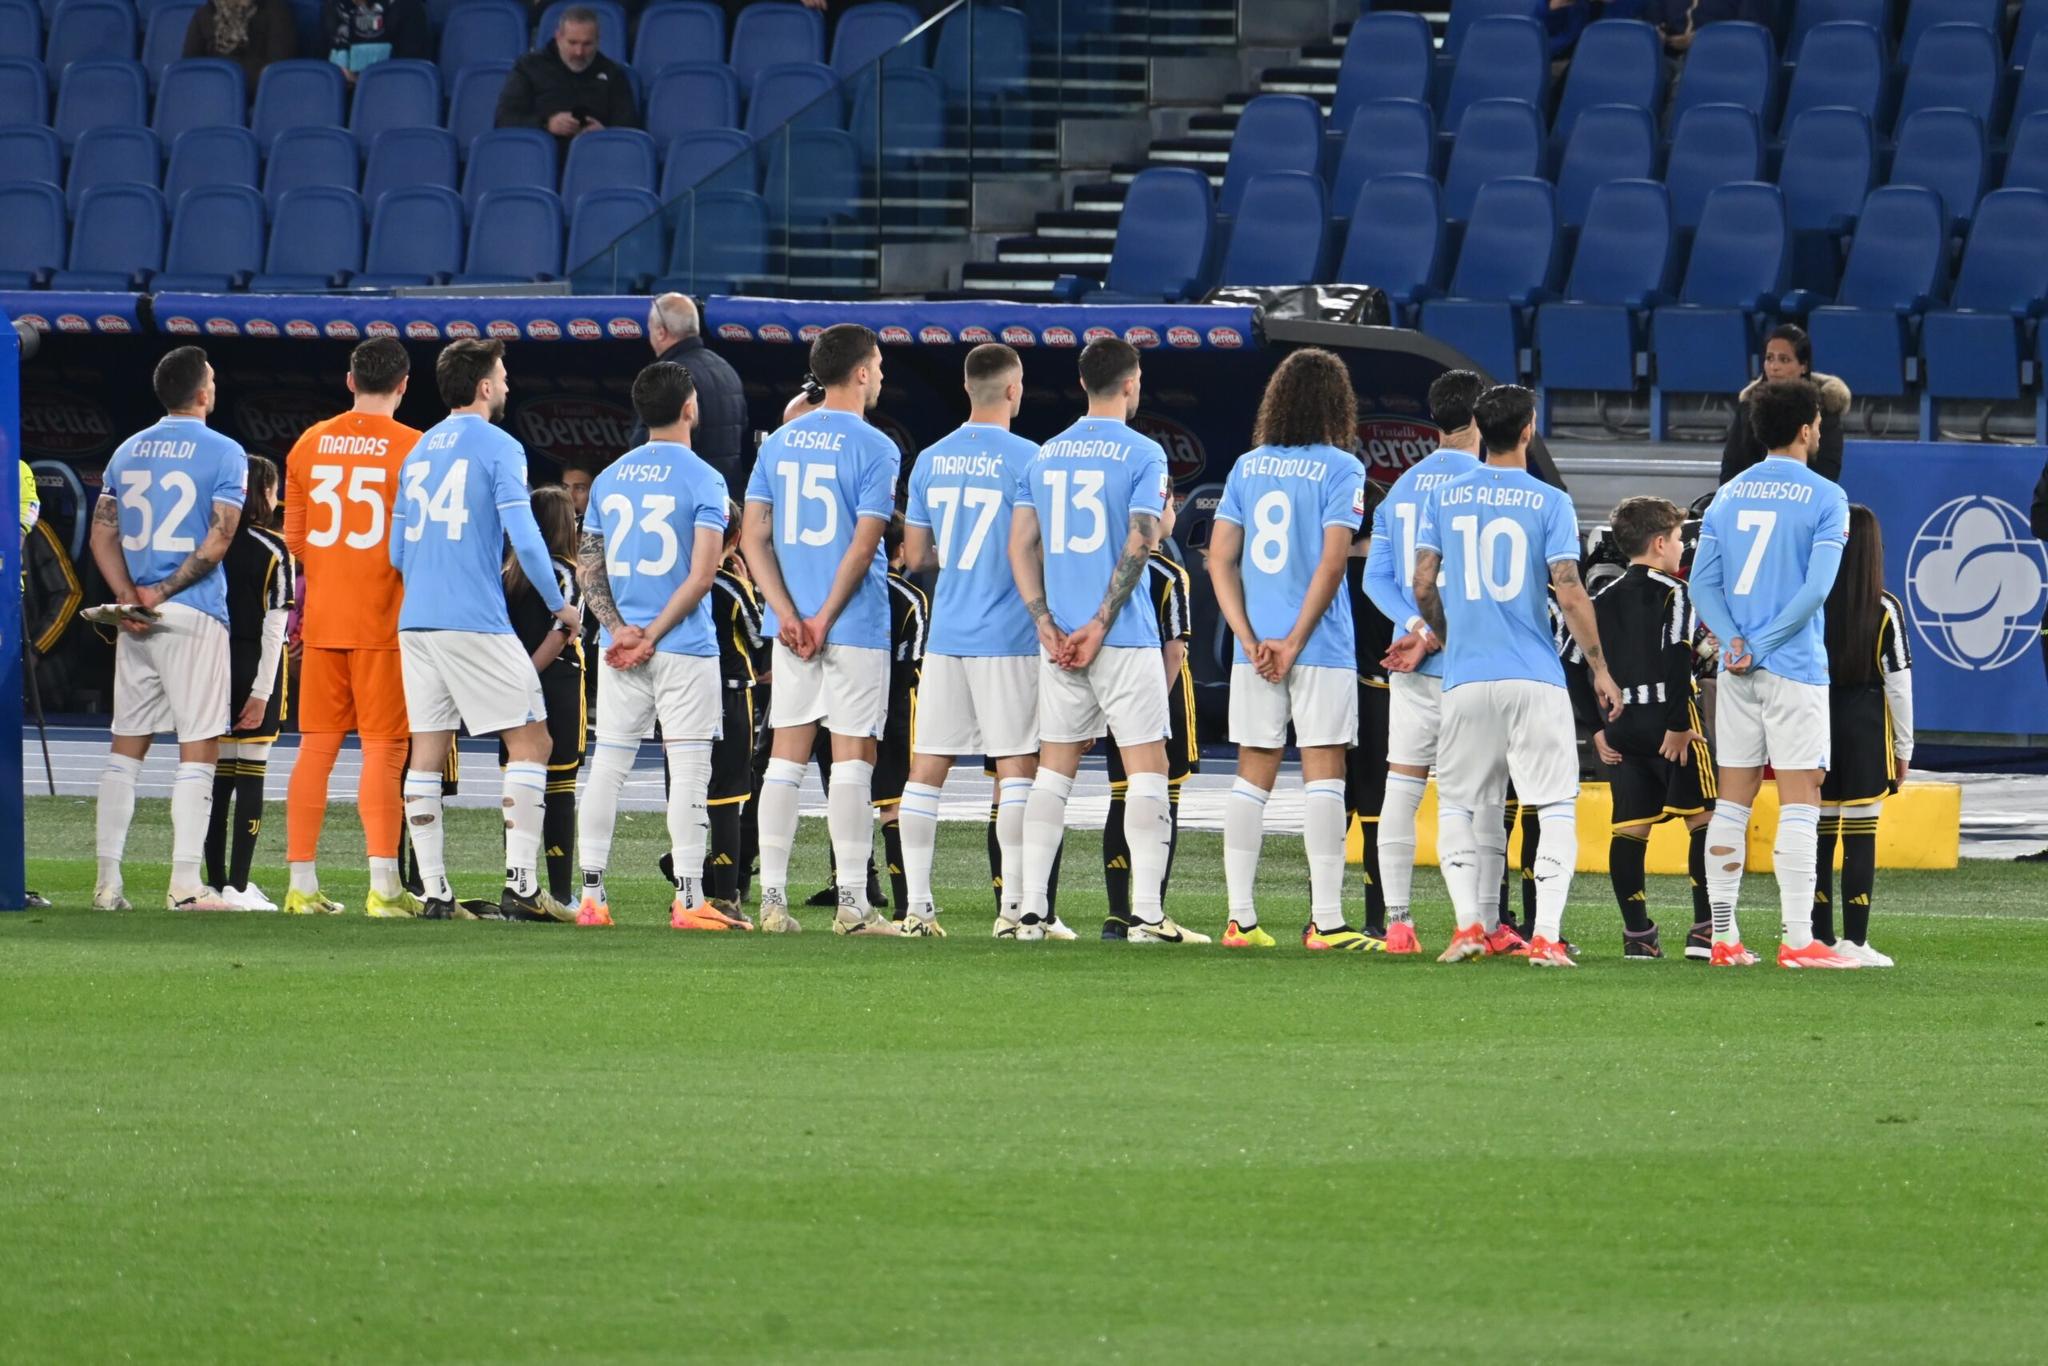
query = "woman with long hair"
x=558 y=657
x=260 y=582
x=250 y=33
x=1870 y=674
x=1788 y=355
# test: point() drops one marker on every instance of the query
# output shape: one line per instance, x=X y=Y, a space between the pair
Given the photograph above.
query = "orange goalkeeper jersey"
x=341 y=480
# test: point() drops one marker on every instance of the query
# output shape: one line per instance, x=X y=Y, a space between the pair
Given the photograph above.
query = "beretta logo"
x=377 y=327
x=341 y=329
x=808 y=333
x=543 y=329
x=1185 y=457
x=181 y=326
x=299 y=327
x=72 y=322
x=1016 y=335
x=1389 y=445
x=222 y=327
x=623 y=328
x=574 y=429
x=260 y=327
x=931 y=334
x=1225 y=338
x=462 y=330
x=975 y=336
x=112 y=323
x=58 y=422
x=774 y=332
x=893 y=335
x=1144 y=338
x=585 y=329
x=500 y=330
x=1095 y=334
x=42 y=324
x=734 y=332
x=421 y=330
x=1186 y=338
x=272 y=419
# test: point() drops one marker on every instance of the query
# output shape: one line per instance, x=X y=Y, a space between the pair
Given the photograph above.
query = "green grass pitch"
x=241 y=1138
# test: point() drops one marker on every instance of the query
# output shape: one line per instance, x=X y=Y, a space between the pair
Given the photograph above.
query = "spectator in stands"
x=1679 y=20
x=676 y=334
x=253 y=33
x=568 y=87
x=1564 y=21
x=1789 y=355
x=365 y=32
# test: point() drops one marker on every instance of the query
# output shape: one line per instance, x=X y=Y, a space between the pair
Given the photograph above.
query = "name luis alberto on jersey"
x=1487 y=495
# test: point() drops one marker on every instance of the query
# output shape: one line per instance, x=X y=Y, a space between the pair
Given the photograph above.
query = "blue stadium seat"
x=1730 y=63
x=1498 y=138
x=720 y=243
x=1714 y=144
x=24 y=92
x=901 y=115
x=316 y=240
x=2026 y=166
x=1592 y=337
x=1943 y=149
x=2031 y=96
x=415 y=239
x=202 y=92
x=1893 y=274
x=482 y=31
x=688 y=96
x=473 y=101
x=1275 y=133
x=612 y=25
x=1611 y=142
x=1389 y=56
x=1396 y=241
x=711 y=159
x=1278 y=235
x=21 y=29
x=1616 y=62
x=1502 y=58
x=1741 y=260
x=1923 y=15
x=2033 y=22
x=116 y=154
x=310 y=156
x=1465 y=13
x=163 y=37
x=33 y=245
x=1955 y=66
x=117 y=239
x=99 y=94
x=32 y=152
x=766 y=35
x=1811 y=14
x=1384 y=137
x=1162 y=237
x=617 y=240
x=807 y=92
x=1505 y=268
x=1829 y=169
x=865 y=32
x=1973 y=347
x=610 y=156
x=90 y=31
x=505 y=158
x=811 y=176
x=298 y=94
x=515 y=238
x=402 y=157
x=395 y=94
x=992 y=45
x=683 y=31
x=211 y=156
x=216 y=241
x=1844 y=67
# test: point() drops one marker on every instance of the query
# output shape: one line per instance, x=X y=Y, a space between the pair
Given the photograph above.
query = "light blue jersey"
x=1285 y=498
x=1770 y=545
x=818 y=474
x=167 y=479
x=461 y=494
x=648 y=506
x=1084 y=485
x=1390 y=568
x=960 y=491
x=1498 y=531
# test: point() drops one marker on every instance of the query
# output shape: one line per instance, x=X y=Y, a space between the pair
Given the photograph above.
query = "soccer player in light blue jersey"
x=820 y=497
x=169 y=504
x=653 y=538
x=1770 y=546
x=461 y=495
x=1085 y=516
x=980 y=683
x=1506 y=714
x=1415 y=699
x=1292 y=506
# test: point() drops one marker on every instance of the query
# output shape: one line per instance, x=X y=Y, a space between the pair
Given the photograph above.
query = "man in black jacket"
x=568 y=87
x=676 y=334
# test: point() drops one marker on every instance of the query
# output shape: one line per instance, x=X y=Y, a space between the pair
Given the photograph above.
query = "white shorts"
x=174 y=679
x=1124 y=691
x=683 y=692
x=479 y=679
x=977 y=704
x=1509 y=728
x=844 y=686
x=1321 y=702
x=1414 y=716
x=1764 y=718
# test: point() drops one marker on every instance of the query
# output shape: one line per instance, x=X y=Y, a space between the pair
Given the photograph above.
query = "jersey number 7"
x=1763 y=523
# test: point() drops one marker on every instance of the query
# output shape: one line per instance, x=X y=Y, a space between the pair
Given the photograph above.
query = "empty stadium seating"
x=1505 y=267
x=1278 y=234
x=1498 y=138
x=1590 y=339
x=1162 y=245
x=211 y=156
x=1738 y=269
x=1611 y=142
x=1893 y=274
x=1396 y=240
x=1975 y=344
x=216 y=240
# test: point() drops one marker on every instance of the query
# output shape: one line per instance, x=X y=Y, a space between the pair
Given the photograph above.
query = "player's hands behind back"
x=1084 y=644
x=1275 y=658
x=1406 y=654
x=630 y=648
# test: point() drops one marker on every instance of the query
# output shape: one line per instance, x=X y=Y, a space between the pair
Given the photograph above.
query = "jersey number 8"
x=1272 y=515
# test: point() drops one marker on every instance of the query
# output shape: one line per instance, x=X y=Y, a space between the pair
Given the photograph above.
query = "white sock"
x=306 y=879
x=1557 y=857
x=1323 y=824
x=525 y=802
x=1244 y=832
x=780 y=784
x=1397 y=841
x=383 y=877
x=689 y=817
x=917 y=823
x=1148 y=830
x=1045 y=820
x=1457 y=852
x=850 y=820
x=191 y=807
x=1489 y=829
x=597 y=815
x=1012 y=796
x=1796 y=852
x=116 y=811
x=429 y=834
x=1727 y=831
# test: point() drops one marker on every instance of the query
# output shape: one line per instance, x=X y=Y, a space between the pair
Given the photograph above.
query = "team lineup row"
x=411 y=632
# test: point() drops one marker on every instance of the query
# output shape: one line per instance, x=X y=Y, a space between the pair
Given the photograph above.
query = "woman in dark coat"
x=253 y=33
x=1789 y=355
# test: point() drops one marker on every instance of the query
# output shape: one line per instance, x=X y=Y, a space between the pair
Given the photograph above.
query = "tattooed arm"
x=1429 y=604
x=1585 y=629
x=1027 y=567
x=596 y=582
x=1083 y=644
x=106 y=548
x=201 y=562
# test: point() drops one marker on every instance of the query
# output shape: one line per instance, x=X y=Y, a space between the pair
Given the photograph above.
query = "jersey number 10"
x=1482 y=547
